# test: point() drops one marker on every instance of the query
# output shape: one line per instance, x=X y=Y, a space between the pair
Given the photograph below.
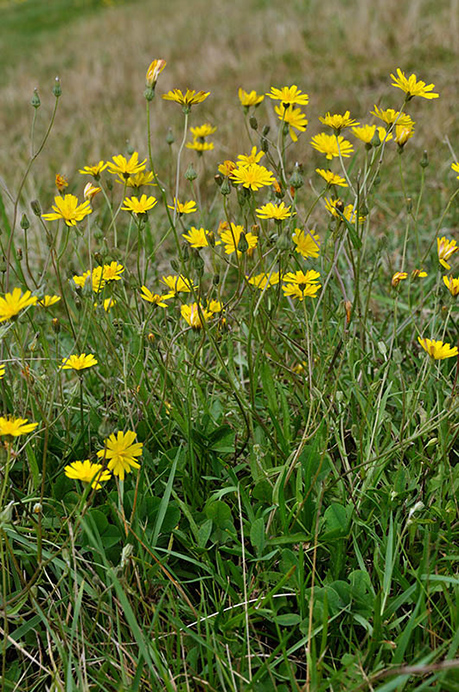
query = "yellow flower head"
x=203 y=130
x=153 y=72
x=289 y=95
x=139 y=206
x=90 y=191
x=263 y=280
x=254 y=157
x=446 y=248
x=121 y=452
x=197 y=237
x=67 y=208
x=61 y=182
x=199 y=145
x=178 y=284
x=336 y=207
x=455 y=167
x=412 y=87
x=195 y=315
x=338 y=122
x=112 y=271
x=47 y=301
x=452 y=285
x=187 y=99
x=139 y=179
x=366 y=133
x=403 y=133
x=307 y=244
x=390 y=116
x=299 y=277
x=397 y=277
x=331 y=178
x=184 y=207
x=12 y=304
x=87 y=472
x=300 y=285
x=232 y=237
x=332 y=145
x=437 y=349
x=124 y=167
x=95 y=170
x=294 y=118
x=78 y=362
x=15 y=426
x=154 y=298
x=215 y=306
x=252 y=176
x=274 y=211
x=226 y=168
x=249 y=98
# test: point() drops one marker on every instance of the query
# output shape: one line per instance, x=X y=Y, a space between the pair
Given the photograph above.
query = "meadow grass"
x=227 y=460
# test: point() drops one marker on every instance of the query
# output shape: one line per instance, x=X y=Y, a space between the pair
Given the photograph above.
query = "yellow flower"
x=112 y=271
x=397 y=277
x=338 y=122
x=452 y=285
x=274 y=211
x=334 y=206
x=150 y=297
x=289 y=95
x=15 y=426
x=139 y=206
x=307 y=244
x=249 y=98
x=437 y=349
x=197 y=237
x=61 y=182
x=294 y=118
x=108 y=304
x=121 y=452
x=331 y=178
x=96 y=277
x=153 y=72
x=232 y=237
x=87 y=472
x=2 y=371
x=95 y=170
x=67 y=208
x=390 y=116
x=446 y=248
x=412 y=87
x=78 y=362
x=367 y=132
x=195 y=315
x=262 y=281
x=300 y=285
x=402 y=134
x=187 y=99
x=185 y=207
x=126 y=168
x=47 y=301
x=455 y=167
x=254 y=157
x=178 y=284
x=215 y=306
x=200 y=146
x=418 y=274
x=252 y=176
x=90 y=191
x=203 y=130
x=139 y=179
x=332 y=145
x=226 y=168
x=14 y=302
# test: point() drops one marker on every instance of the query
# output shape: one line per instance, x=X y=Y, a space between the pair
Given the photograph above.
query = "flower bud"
x=190 y=173
x=265 y=130
x=56 y=325
x=264 y=145
x=57 y=91
x=129 y=148
x=36 y=208
x=242 y=245
x=218 y=179
x=170 y=137
x=296 y=179
x=253 y=122
x=19 y=254
x=153 y=72
x=25 y=223
x=175 y=265
x=424 y=162
x=35 y=99
x=225 y=187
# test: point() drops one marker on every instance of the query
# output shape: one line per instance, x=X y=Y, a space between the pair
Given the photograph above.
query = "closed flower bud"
x=190 y=173
x=218 y=179
x=264 y=144
x=296 y=179
x=211 y=238
x=409 y=205
x=129 y=149
x=36 y=208
x=265 y=130
x=98 y=257
x=253 y=122
x=175 y=265
x=57 y=91
x=19 y=253
x=170 y=137
x=56 y=325
x=35 y=99
x=216 y=279
x=225 y=187
x=151 y=338
x=242 y=245
x=424 y=162
x=25 y=223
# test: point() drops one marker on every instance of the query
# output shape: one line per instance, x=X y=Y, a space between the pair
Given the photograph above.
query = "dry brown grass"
x=341 y=53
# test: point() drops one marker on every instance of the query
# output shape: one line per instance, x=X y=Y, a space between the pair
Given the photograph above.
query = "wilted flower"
x=153 y=72
x=452 y=285
x=397 y=277
x=90 y=191
x=61 y=182
x=446 y=248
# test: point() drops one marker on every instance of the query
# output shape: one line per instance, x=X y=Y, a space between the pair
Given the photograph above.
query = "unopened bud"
x=216 y=279
x=19 y=253
x=218 y=179
x=129 y=148
x=149 y=93
x=98 y=257
x=35 y=99
x=253 y=122
x=264 y=144
x=151 y=337
x=175 y=265
x=190 y=173
x=225 y=187
x=57 y=90
x=36 y=208
x=170 y=139
x=242 y=245
x=409 y=205
x=424 y=162
x=25 y=223
x=56 y=325
x=296 y=179
x=265 y=130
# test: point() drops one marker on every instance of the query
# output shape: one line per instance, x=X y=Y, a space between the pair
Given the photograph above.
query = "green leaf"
x=257 y=535
x=219 y=512
x=335 y=522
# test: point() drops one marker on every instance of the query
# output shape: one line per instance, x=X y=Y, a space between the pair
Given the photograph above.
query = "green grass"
x=293 y=523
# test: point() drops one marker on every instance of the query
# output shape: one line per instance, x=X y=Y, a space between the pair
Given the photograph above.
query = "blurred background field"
x=340 y=53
